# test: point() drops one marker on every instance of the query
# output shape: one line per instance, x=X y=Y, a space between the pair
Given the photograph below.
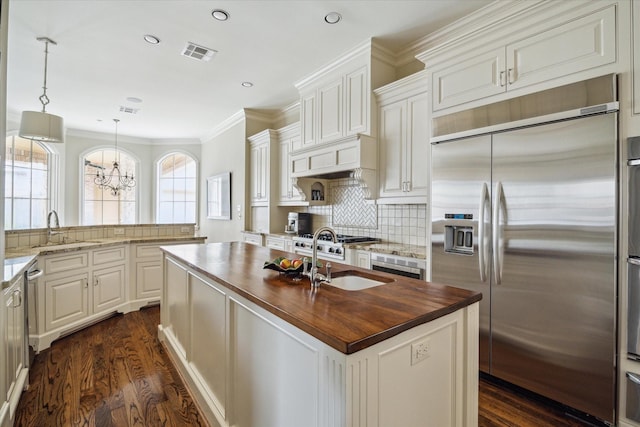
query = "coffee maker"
x=298 y=223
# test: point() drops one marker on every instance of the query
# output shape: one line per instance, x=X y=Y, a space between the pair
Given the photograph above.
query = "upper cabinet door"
x=308 y=119
x=330 y=111
x=357 y=102
x=392 y=146
x=418 y=148
x=576 y=46
x=469 y=80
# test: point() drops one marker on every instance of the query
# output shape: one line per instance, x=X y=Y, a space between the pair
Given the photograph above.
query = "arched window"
x=177 y=189
x=100 y=206
x=27 y=196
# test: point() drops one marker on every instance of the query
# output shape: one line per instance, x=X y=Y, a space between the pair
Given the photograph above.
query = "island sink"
x=351 y=280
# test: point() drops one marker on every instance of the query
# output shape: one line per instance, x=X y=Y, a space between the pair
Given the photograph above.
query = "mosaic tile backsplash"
x=349 y=213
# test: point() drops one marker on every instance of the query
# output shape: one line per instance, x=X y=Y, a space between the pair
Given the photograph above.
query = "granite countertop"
x=410 y=251
x=14 y=267
x=348 y=321
x=94 y=243
x=19 y=259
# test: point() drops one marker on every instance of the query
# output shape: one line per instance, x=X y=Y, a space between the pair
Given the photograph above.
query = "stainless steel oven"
x=402 y=266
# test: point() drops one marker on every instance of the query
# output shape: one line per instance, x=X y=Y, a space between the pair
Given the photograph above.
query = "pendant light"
x=115 y=182
x=42 y=126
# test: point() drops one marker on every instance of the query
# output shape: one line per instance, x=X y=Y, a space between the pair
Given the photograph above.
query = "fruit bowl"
x=276 y=265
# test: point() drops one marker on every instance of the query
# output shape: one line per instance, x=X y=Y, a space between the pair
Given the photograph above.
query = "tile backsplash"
x=37 y=237
x=348 y=213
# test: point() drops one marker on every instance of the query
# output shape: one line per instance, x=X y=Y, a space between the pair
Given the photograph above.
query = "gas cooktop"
x=342 y=238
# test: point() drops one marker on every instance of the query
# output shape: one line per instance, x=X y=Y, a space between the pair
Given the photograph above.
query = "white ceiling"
x=101 y=58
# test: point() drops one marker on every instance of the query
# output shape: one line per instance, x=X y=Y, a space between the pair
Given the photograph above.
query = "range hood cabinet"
x=354 y=156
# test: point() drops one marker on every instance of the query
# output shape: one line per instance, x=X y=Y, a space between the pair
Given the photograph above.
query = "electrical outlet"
x=118 y=231
x=420 y=351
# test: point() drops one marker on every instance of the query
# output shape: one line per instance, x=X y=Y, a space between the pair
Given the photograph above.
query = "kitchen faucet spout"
x=56 y=225
x=315 y=277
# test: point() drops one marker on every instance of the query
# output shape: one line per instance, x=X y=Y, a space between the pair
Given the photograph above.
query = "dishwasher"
x=30 y=316
x=402 y=266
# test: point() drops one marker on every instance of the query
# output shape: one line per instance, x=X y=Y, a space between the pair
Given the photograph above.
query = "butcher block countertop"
x=348 y=321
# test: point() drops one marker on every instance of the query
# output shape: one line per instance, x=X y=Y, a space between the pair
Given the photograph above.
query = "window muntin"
x=177 y=189
x=27 y=184
x=100 y=206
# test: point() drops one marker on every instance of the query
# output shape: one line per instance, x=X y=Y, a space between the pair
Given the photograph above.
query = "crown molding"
x=233 y=120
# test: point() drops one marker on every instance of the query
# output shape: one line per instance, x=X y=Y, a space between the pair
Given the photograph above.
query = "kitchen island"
x=258 y=348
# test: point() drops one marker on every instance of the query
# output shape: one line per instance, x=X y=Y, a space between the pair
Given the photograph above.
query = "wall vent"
x=197 y=52
x=129 y=110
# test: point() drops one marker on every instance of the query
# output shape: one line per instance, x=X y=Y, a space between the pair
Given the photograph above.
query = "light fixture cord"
x=44 y=99
x=117 y=152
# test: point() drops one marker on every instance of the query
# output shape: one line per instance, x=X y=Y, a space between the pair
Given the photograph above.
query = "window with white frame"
x=177 y=189
x=101 y=206
x=27 y=177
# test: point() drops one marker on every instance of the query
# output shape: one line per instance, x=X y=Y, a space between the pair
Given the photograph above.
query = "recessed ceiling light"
x=149 y=38
x=134 y=99
x=246 y=84
x=332 y=18
x=220 y=14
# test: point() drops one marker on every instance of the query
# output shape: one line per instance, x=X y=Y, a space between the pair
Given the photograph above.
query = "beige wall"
x=226 y=152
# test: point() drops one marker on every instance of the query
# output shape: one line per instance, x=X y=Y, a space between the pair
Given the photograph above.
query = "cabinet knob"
x=95 y=282
x=86 y=283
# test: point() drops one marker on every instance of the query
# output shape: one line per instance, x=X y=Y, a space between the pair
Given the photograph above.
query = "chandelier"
x=115 y=181
x=42 y=126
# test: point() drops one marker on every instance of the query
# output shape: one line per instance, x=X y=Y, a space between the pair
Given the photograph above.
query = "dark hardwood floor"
x=116 y=373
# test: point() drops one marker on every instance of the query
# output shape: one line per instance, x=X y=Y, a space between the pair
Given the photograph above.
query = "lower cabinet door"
x=148 y=279
x=108 y=288
x=66 y=300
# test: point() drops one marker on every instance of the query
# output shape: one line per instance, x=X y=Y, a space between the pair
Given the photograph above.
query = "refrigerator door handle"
x=482 y=247
x=634 y=261
x=633 y=377
x=497 y=234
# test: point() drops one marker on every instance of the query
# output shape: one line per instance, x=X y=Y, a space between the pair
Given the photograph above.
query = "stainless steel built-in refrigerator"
x=528 y=217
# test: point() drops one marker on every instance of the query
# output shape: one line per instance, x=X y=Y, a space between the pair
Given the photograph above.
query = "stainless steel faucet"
x=50 y=230
x=314 y=277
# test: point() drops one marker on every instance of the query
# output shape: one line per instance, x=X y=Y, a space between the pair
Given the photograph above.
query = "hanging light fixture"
x=115 y=181
x=42 y=126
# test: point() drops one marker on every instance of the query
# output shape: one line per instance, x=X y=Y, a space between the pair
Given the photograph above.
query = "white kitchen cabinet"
x=13 y=370
x=77 y=289
x=337 y=108
x=146 y=273
x=336 y=102
x=66 y=300
x=280 y=243
x=574 y=46
x=259 y=172
x=363 y=259
x=403 y=141
x=289 y=141
x=252 y=238
x=108 y=288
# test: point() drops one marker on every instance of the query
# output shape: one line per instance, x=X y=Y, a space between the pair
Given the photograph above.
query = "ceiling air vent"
x=197 y=52
x=129 y=110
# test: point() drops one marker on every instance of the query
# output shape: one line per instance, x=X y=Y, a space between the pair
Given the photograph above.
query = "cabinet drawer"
x=151 y=251
x=254 y=239
x=106 y=255
x=276 y=243
x=75 y=261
